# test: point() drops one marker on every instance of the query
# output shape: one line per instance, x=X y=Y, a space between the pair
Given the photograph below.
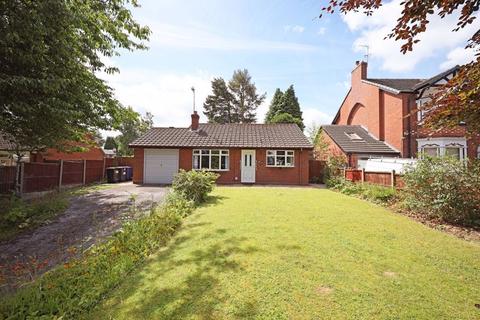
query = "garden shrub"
x=77 y=287
x=372 y=192
x=444 y=188
x=194 y=185
x=176 y=203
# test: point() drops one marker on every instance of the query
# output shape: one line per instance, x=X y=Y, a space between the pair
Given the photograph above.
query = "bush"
x=194 y=185
x=177 y=204
x=445 y=189
x=372 y=192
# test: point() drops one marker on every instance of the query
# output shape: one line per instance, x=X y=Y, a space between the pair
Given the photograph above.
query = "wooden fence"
x=389 y=179
x=7 y=179
x=44 y=176
x=316 y=171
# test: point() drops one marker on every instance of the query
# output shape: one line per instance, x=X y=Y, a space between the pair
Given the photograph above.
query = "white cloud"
x=321 y=31
x=167 y=96
x=373 y=29
x=166 y=35
x=459 y=56
x=312 y=115
x=295 y=29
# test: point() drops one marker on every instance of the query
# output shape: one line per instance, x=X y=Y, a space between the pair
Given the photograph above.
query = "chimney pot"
x=195 y=121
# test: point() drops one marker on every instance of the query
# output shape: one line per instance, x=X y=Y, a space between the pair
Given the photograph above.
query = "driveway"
x=89 y=218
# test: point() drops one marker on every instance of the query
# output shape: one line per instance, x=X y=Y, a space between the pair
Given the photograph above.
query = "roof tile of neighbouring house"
x=226 y=135
x=436 y=78
x=403 y=85
x=366 y=144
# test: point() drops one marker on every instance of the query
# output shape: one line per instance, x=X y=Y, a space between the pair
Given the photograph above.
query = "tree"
x=459 y=99
x=132 y=127
x=274 y=105
x=245 y=97
x=285 y=103
x=50 y=54
x=219 y=106
x=235 y=102
x=110 y=144
x=286 y=118
x=313 y=133
x=289 y=104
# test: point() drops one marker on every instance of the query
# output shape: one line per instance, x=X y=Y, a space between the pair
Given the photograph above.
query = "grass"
x=18 y=215
x=297 y=253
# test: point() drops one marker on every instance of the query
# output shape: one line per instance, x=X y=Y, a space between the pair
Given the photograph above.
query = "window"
x=478 y=152
x=430 y=151
x=207 y=159
x=280 y=158
x=353 y=136
x=453 y=152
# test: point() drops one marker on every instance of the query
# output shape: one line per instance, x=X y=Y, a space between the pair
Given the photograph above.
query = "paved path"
x=89 y=218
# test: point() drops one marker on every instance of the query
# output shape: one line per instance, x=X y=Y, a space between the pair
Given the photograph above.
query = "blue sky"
x=279 y=42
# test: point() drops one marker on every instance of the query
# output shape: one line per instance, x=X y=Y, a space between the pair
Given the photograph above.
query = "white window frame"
x=275 y=155
x=442 y=143
x=221 y=153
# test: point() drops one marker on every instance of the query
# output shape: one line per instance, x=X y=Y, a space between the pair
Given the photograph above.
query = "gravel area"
x=89 y=218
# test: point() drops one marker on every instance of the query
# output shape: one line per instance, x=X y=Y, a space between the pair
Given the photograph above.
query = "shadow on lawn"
x=200 y=292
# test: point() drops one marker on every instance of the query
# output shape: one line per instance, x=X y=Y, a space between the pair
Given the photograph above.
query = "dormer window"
x=353 y=136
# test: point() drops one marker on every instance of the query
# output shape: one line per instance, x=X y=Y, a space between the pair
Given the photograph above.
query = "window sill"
x=279 y=166
x=212 y=170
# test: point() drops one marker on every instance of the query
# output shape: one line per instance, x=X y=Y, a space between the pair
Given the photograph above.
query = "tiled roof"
x=366 y=144
x=436 y=78
x=403 y=85
x=226 y=135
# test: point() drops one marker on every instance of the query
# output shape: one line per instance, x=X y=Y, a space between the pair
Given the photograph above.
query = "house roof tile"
x=366 y=144
x=226 y=135
x=402 y=85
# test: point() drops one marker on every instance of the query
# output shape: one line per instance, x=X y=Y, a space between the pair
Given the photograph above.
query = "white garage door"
x=161 y=165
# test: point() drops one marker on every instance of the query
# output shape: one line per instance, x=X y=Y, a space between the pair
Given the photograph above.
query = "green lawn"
x=300 y=253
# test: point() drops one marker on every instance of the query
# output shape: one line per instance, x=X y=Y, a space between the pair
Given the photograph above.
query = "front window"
x=453 y=152
x=431 y=151
x=280 y=158
x=210 y=159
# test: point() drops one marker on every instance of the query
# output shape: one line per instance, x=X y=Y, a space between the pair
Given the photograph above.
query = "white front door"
x=248 y=166
x=161 y=165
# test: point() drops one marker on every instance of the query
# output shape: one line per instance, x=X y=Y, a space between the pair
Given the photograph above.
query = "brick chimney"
x=195 y=121
x=360 y=71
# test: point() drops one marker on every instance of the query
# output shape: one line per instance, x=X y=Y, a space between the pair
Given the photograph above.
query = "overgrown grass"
x=372 y=192
x=300 y=253
x=18 y=215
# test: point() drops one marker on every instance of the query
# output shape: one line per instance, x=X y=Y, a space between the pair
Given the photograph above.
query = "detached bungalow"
x=240 y=153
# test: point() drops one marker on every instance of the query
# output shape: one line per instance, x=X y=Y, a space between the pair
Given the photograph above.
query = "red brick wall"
x=264 y=175
x=389 y=117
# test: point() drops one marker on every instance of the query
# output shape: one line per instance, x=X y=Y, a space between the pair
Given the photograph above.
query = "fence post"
x=84 y=171
x=103 y=168
x=392 y=178
x=363 y=175
x=345 y=173
x=60 y=177
x=22 y=176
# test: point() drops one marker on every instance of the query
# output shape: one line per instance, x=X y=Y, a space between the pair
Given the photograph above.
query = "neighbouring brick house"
x=240 y=153
x=386 y=109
